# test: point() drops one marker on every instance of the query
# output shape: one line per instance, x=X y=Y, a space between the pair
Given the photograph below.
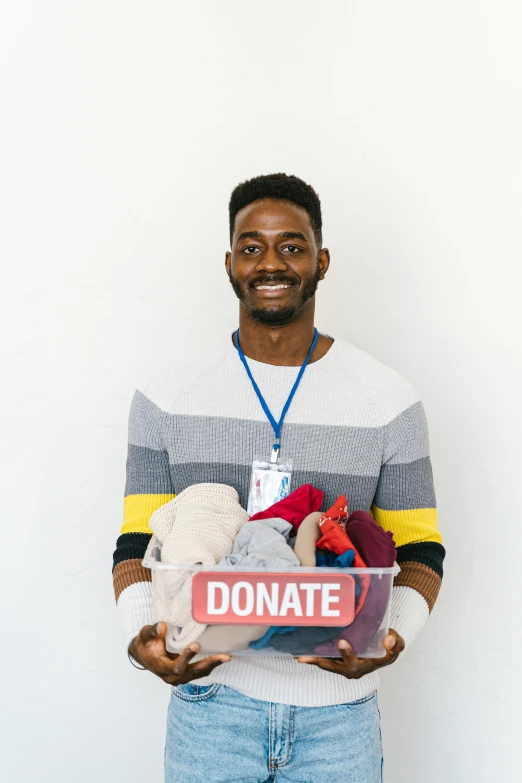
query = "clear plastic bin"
x=255 y=611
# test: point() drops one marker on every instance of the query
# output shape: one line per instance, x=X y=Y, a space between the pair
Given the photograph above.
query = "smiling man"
x=354 y=427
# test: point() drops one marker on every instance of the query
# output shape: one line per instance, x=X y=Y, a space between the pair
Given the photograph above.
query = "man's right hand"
x=149 y=650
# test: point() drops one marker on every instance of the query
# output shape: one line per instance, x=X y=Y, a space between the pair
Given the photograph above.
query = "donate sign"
x=266 y=598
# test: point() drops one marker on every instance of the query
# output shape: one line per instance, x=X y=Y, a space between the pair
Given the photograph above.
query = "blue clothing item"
x=263 y=641
x=325 y=558
x=217 y=735
x=322 y=558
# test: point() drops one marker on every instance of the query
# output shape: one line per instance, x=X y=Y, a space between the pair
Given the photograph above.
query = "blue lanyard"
x=276 y=425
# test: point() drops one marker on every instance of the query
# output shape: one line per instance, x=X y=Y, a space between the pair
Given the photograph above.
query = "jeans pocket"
x=365 y=699
x=192 y=692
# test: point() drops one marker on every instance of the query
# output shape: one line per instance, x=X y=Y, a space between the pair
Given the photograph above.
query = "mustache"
x=272 y=280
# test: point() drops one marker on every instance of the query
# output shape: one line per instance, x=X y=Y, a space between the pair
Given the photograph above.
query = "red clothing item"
x=333 y=537
x=332 y=525
x=336 y=539
x=295 y=507
x=338 y=512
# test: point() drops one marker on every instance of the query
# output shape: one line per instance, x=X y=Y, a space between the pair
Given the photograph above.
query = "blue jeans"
x=217 y=735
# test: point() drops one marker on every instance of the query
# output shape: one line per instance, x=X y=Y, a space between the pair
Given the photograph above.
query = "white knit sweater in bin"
x=198 y=527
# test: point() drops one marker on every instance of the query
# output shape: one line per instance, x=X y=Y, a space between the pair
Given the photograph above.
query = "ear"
x=228 y=261
x=324 y=261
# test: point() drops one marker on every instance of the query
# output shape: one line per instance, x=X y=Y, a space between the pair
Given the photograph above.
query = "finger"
x=366 y=665
x=347 y=653
x=330 y=664
x=393 y=642
x=204 y=667
x=150 y=632
x=183 y=660
x=196 y=670
x=165 y=664
x=355 y=666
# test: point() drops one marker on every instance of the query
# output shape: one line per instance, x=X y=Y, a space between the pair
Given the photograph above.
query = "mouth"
x=271 y=289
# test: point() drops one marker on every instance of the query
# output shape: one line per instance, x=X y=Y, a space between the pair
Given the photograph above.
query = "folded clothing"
x=295 y=507
x=198 y=527
x=262 y=544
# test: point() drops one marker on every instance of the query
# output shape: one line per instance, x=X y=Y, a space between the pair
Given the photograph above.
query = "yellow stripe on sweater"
x=409 y=526
x=138 y=509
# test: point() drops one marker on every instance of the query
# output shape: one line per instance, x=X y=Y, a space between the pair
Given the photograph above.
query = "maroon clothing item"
x=294 y=508
x=363 y=629
x=376 y=545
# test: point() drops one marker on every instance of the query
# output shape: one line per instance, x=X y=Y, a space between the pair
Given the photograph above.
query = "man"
x=354 y=427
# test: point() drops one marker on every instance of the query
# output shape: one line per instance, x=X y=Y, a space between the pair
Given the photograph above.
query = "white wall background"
x=124 y=127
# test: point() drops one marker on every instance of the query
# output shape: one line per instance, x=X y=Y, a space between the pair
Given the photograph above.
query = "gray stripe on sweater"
x=406 y=436
x=148 y=472
x=327 y=449
x=406 y=486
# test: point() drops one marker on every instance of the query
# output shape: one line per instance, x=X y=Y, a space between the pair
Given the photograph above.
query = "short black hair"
x=283 y=186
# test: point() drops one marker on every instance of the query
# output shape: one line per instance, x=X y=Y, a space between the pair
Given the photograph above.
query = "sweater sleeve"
x=148 y=486
x=405 y=504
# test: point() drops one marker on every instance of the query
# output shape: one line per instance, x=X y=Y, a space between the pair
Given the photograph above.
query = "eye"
x=250 y=250
x=292 y=249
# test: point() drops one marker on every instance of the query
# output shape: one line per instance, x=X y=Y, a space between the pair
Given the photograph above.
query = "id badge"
x=269 y=483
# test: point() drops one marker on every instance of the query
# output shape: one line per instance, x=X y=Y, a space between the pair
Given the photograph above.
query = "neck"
x=285 y=345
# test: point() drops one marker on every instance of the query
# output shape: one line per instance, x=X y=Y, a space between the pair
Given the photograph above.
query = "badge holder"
x=270 y=482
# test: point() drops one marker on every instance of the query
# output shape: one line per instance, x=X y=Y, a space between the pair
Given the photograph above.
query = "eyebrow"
x=293 y=235
x=282 y=234
x=250 y=235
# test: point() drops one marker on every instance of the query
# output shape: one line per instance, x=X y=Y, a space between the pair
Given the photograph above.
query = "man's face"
x=275 y=265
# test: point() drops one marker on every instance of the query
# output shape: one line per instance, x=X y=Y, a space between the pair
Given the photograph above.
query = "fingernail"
x=343 y=644
x=158 y=627
x=391 y=642
x=194 y=647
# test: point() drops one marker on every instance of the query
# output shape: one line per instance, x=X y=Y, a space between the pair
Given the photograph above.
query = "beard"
x=272 y=314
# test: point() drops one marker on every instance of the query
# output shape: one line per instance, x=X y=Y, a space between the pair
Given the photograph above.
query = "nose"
x=271 y=262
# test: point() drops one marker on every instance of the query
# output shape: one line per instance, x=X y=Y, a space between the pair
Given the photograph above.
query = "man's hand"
x=148 y=649
x=352 y=667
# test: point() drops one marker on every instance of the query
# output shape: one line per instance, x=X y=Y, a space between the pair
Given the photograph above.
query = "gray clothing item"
x=262 y=543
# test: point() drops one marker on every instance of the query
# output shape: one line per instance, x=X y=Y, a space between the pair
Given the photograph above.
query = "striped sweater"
x=355 y=427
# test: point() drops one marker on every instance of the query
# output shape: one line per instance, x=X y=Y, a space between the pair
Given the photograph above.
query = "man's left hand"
x=352 y=667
